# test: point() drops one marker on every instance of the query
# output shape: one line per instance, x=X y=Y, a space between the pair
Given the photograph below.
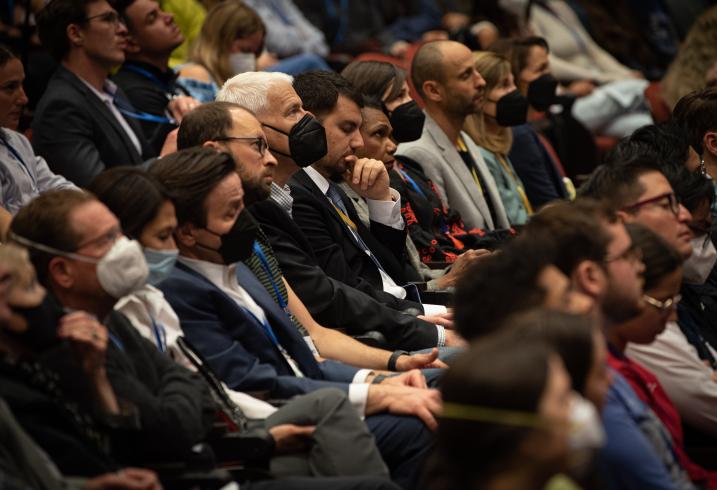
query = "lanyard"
x=279 y=12
x=345 y=218
x=117 y=342
x=517 y=182
x=142 y=116
x=265 y=325
x=17 y=157
x=265 y=264
x=148 y=75
x=160 y=335
x=409 y=180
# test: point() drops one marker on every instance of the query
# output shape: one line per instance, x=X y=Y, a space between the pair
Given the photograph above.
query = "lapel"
x=312 y=187
x=458 y=167
x=97 y=106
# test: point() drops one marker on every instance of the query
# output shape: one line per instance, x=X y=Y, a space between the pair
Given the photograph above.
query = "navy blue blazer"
x=237 y=348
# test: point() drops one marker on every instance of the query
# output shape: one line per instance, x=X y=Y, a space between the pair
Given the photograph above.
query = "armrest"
x=204 y=480
x=372 y=338
x=254 y=448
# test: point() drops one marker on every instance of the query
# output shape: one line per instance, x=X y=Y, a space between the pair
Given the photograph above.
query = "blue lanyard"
x=17 y=157
x=280 y=13
x=160 y=335
x=265 y=325
x=148 y=75
x=265 y=264
x=407 y=178
x=143 y=116
x=117 y=342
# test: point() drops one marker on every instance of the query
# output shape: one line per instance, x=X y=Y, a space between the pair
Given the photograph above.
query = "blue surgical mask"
x=160 y=264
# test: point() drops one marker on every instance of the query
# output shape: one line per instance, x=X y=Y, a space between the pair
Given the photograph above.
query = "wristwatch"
x=394 y=358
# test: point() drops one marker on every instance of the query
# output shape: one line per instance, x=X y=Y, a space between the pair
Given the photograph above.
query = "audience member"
x=478 y=25
x=80 y=126
x=296 y=139
x=689 y=70
x=24 y=463
x=662 y=279
x=231 y=38
x=490 y=128
x=319 y=415
x=444 y=74
x=437 y=232
x=505 y=418
x=221 y=304
x=24 y=175
x=533 y=157
x=255 y=168
x=145 y=75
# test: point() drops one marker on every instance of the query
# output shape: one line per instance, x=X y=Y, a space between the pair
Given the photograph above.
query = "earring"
x=703 y=169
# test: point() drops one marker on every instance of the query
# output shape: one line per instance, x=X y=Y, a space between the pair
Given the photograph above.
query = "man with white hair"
x=297 y=140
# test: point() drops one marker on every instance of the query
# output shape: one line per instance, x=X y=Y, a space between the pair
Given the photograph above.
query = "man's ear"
x=213 y=144
x=589 y=278
x=624 y=217
x=75 y=35
x=432 y=91
x=132 y=46
x=185 y=235
x=709 y=142
x=61 y=272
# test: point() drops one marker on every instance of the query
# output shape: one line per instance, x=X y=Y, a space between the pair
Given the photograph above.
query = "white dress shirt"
x=224 y=278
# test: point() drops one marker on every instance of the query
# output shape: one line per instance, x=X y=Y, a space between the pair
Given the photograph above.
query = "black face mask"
x=541 y=92
x=407 y=122
x=237 y=243
x=511 y=109
x=42 y=322
x=307 y=141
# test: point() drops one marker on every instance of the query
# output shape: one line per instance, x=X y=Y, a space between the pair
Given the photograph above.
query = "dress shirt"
x=24 y=174
x=224 y=278
x=385 y=212
x=689 y=383
x=109 y=89
x=282 y=196
x=147 y=304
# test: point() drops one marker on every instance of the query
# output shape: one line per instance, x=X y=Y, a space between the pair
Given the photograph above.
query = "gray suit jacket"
x=445 y=167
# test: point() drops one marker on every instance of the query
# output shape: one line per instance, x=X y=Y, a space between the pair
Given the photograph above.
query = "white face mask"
x=120 y=271
x=586 y=430
x=242 y=62
x=697 y=268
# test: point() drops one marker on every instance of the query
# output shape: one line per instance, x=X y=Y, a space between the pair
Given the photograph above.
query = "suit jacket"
x=333 y=244
x=78 y=135
x=453 y=180
x=334 y=303
x=237 y=349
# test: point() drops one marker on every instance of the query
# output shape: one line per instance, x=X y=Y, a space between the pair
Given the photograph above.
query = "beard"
x=619 y=308
x=255 y=191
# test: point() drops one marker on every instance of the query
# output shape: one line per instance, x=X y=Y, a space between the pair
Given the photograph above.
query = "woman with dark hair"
x=506 y=418
x=663 y=277
x=437 y=232
x=23 y=175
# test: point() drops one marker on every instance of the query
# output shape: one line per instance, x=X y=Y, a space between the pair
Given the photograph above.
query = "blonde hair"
x=15 y=261
x=493 y=68
x=696 y=56
x=225 y=22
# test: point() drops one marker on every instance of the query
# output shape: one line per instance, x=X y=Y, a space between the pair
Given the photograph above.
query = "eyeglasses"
x=259 y=144
x=103 y=240
x=632 y=254
x=663 y=306
x=671 y=202
x=110 y=17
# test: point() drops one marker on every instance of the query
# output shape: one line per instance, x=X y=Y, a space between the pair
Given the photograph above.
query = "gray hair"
x=250 y=89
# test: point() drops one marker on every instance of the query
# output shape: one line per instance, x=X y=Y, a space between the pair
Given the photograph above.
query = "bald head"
x=427 y=64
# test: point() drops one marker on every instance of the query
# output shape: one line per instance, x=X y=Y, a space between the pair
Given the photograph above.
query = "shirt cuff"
x=361 y=375
x=358 y=396
x=441 y=336
x=429 y=309
x=387 y=212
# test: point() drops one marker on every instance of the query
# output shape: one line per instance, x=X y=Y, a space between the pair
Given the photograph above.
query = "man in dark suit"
x=246 y=337
x=84 y=123
x=357 y=305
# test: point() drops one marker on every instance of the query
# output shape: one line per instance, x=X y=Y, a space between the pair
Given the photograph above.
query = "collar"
x=282 y=196
x=321 y=182
x=109 y=89
x=218 y=274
